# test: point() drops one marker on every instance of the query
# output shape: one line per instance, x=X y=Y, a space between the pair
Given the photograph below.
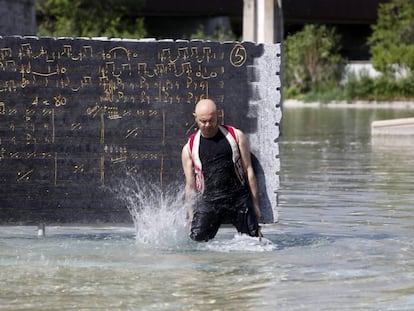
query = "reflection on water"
x=343 y=241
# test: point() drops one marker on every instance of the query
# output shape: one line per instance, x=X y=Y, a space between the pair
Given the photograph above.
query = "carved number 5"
x=238 y=55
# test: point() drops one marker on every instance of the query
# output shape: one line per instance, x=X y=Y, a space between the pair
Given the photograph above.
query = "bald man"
x=220 y=185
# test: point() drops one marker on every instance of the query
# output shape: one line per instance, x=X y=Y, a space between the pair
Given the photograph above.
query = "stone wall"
x=80 y=115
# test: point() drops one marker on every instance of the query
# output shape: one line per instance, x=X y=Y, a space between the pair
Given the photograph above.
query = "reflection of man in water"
x=220 y=181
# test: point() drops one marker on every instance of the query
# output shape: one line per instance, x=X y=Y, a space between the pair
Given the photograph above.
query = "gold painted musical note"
x=76 y=126
x=5 y=53
x=25 y=50
x=112 y=112
x=78 y=168
x=133 y=132
x=183 y=53
x=186 y=68
x=113 y=53
x=42 y=52
x=24 y=175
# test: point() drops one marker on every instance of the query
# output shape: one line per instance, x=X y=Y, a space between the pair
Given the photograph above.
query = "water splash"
x=159 y=215
x=240 y=243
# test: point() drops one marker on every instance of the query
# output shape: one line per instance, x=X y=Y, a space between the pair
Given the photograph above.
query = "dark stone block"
x=78 y=115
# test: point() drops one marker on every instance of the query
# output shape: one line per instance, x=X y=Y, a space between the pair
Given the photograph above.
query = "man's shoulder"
x=234 y=131
x=232 y=127
x=191 y=139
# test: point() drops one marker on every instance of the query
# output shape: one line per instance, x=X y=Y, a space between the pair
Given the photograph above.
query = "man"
x=220 y=181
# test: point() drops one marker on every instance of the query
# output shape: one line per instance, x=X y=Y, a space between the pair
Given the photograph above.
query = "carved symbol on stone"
x=21 y=176
x=59 y=100
x=238 y=55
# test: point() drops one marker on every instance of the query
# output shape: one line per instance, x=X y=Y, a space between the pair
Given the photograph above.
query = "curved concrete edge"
x=403 y=126
x=403 y=105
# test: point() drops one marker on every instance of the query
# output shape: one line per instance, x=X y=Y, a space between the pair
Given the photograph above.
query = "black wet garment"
x=224 y=200
x=208 y=216
x=220 y=179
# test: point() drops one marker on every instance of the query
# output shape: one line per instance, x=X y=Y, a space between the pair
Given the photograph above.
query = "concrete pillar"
x=279 y=22
x=265 y=21
x=262 y=21
x=249 y=20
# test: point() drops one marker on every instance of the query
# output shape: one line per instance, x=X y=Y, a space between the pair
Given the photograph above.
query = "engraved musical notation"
x=77 y=110
x=176 y=76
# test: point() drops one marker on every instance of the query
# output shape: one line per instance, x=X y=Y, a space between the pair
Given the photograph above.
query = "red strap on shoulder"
x=191 y=142
x=231 y=131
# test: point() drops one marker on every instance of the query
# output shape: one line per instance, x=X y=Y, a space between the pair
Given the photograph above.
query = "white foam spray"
x=240 y=243
x=159 y=217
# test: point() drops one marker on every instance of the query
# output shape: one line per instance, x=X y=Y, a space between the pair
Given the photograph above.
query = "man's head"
x=206 y=117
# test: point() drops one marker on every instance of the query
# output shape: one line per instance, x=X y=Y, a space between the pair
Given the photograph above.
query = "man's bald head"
x=205 y=106
x=206 y=117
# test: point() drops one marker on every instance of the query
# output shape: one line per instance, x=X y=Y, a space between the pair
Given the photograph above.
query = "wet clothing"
x=194 y=150
x=224 y=197
x=209 y=215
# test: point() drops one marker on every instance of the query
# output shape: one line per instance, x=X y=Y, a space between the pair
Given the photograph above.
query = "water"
x=343 y=241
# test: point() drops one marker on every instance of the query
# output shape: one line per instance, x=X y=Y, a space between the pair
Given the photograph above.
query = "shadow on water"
x=287 y=241
x=283 y=241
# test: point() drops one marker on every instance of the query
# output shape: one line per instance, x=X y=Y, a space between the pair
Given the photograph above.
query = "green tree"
x=90 y=18
x=392 y=39
x=312 y=60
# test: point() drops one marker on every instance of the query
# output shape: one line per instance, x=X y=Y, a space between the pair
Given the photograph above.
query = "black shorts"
x=209 y=215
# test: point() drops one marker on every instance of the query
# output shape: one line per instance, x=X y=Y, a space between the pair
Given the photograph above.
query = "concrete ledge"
x=393 y=127
x=403 y=105
x=394 y=132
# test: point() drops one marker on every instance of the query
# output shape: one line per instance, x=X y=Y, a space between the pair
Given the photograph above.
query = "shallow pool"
x=343 y=241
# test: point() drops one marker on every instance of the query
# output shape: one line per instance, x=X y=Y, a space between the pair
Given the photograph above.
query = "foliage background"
x=90 y=18
x=392 y=40
x=313 y=69
x=104 y=18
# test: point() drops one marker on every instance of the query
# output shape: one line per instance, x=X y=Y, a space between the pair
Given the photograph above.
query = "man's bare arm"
x=190 y=188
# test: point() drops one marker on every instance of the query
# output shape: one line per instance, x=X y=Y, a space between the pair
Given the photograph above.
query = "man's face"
x=207 y=123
